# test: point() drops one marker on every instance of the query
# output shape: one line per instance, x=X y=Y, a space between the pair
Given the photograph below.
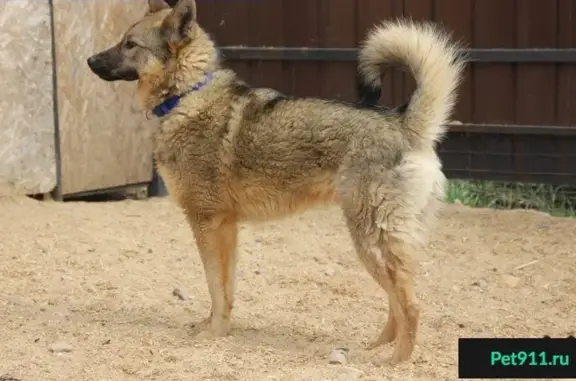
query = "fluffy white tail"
x=431 y=58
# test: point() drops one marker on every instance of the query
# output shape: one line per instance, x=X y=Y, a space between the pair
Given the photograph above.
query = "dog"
x=232 y=153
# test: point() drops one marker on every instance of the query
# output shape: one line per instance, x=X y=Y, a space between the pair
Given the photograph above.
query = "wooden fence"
x=517 y=104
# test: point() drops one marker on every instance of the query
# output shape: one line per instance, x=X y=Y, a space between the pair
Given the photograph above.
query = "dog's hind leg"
x=400 y=270
x=387 y=227
x=388 y=260
x=377 y=269
x=216 y=237
x=381 y=275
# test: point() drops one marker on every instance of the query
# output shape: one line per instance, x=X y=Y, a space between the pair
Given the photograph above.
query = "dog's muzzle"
x=102 y=70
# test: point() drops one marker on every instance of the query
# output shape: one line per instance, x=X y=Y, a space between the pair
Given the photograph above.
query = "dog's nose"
x=91 y=61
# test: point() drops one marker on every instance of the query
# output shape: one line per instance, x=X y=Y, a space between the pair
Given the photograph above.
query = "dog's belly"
x=254 y=200
x=263 y=202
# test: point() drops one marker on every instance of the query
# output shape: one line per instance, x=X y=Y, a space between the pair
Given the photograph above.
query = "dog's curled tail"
x=433 y=60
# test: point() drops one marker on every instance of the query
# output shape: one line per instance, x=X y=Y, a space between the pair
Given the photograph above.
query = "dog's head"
x=150 y=44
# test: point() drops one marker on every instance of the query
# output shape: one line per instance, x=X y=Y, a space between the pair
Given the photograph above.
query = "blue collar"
x=169 y=104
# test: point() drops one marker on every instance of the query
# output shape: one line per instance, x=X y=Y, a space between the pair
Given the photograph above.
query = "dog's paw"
x=204 y=335
x=382 y=340
x=383 y=361
x=201 y=325
x=393 y=360
x=210 y=334
x=387 y=336
x=402 y=352
x=211 y=329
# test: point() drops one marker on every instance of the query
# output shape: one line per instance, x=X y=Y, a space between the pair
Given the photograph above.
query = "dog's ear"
x=172 y=3
x=177 y=24
x=157 y=5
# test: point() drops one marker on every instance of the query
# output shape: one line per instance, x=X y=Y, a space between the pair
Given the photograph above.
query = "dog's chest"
x=189 y=151
x=181 y=138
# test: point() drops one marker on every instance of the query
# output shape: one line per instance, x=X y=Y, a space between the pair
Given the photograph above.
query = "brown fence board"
x=266 y=31
x=488 y=149
x=419 y=11
x=230 y=27
x=566 y=107
x=536 y=83
x=458 y=17
x=494 y=85
x=370 y=13
x=301 y=29
x=335 y=31
x=566 y=80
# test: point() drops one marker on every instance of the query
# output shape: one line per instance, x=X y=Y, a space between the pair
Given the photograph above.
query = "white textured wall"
x=27 y=153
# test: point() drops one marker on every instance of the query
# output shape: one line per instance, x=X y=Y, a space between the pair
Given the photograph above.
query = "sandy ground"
x=98 y=277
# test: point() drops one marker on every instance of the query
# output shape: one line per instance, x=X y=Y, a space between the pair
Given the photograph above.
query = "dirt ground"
x=98 y=278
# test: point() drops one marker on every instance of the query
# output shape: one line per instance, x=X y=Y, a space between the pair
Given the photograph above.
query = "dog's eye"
x=130 y=44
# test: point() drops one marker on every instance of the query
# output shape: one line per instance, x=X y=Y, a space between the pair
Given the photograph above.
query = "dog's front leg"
x=216 y=239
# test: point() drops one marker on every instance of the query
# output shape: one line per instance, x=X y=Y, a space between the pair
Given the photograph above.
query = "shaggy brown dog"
x=231 y=153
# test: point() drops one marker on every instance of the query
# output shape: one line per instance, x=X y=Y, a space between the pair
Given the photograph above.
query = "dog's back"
x=290 y=152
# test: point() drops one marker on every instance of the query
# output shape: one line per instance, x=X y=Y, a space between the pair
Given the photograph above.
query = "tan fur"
x=230 y=153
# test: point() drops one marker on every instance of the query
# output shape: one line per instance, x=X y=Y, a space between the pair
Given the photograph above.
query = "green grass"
x=556 y=201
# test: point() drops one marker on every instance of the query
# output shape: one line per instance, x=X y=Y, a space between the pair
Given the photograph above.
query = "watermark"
x=517 y=358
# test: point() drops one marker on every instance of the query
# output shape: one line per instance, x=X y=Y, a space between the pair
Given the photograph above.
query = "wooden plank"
x=566 y=81
x=494 y=84
x=266 y=16
x=337 y=79
x=228 y=21
x=566 y=105
x=454 y=151
x=301 y=29
x=488 y=149
x=536 y=83
x=207 y=16
x=542 y=154
x=536 y=90
x=104 y=136
x=396 y=74
x=368 y=14
x=457 y=17
x=417 y=10
x=27 y=150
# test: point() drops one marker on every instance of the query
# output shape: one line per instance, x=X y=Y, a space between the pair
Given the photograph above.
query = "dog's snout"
x=99 y=67
x=92 y=62
x=111 y=65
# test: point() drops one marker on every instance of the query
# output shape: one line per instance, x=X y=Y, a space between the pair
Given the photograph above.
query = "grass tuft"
x=557 y=201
